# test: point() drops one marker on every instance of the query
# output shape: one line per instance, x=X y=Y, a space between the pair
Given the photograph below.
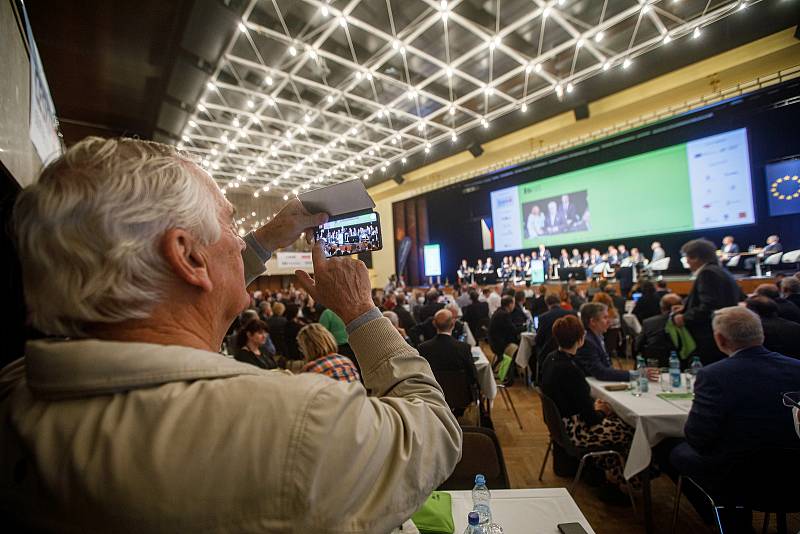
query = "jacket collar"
x=759 y=350
x=66 y=369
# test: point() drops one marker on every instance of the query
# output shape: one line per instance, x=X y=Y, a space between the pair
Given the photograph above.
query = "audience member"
x=662 y=288
x=786 y=309
x=446 y=354
x=276 y=325
x=713 y=288
x=503 y=335
x=590 y=424
x=736 y=408
x=544 y=343
x=493 y=299
x=537 y=305
x=432 y=305
x=476 y=315
x=648 y=304
x=293 y=326
x=264 y=310
x=592 y=357
x=790 y=287
x=619 y=301
x=254 y=346
x=653 y=341
x=145 y=330
x=318 y=348
x=780 y=335
x=395 y=320
x=334 y=324
x=613 y=335
x=658 y=251
x=520 y=315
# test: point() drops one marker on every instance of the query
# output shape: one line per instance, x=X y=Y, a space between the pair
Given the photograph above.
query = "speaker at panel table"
x=783 y=187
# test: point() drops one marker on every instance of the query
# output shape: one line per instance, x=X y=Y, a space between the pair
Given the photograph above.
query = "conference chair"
x=600 y=268
x=458 y=393
x=793 y=256
x=658 y=266
x=733 y=262
x=759 y=480
x=771 y=261
x=502 y=387
x=480 y=453
x=559 y=436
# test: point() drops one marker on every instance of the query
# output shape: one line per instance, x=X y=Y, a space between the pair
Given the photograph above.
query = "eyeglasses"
x=792 y=399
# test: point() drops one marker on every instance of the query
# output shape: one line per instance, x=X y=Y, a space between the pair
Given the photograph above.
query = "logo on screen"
x=785 y=188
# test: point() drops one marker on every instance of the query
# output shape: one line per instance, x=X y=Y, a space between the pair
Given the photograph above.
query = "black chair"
x=502 y=387
x=763 y=480
x=480 y=453
x=559 y=436
x=458 y=392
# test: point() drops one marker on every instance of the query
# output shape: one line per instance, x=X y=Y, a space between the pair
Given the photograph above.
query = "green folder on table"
x=436 y=515
x=675 y=396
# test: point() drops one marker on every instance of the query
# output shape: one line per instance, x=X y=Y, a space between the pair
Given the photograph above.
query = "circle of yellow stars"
x=793 y=181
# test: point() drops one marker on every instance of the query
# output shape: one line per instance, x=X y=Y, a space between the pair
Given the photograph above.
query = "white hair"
x=740 y=326
x=393 y=318
x=89 y=231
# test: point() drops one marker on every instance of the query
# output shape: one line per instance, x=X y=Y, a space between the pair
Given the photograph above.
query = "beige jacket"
x=112 y=437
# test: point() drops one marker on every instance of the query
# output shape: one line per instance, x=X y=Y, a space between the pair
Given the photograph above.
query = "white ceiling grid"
x=311 y=92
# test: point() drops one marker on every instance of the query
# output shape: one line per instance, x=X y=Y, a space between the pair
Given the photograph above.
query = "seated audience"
x=780 y=335
x=476 y=315
x=276 y=325
x=503 y=335
x=619 y=302
x=318 y=347
x=191 y=441
x=403 y=314
x=592 y=356
x=432 y=305
x=648 y=304
x=544 y=341
x=537 y=304
x=254 y=345
x=519 y=315
x=736 y=406
x=790 y=287
x=264 y=310
x=334 y=324
x=653 y=341
x=395 y=320
x=713 y=288
x=446 y=354
x=786 y=309
x=613 y=336
x=590 y=423
x=293 y=326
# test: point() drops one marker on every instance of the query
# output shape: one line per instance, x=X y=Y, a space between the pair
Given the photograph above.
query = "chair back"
x=733 y=262
x=793 y=256
x=480 y=453
x=457 y=390
x=555 y=425
x=659 y=265
x=773 y=259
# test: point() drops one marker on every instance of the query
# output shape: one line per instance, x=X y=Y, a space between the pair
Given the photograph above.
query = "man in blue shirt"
x=592 y=357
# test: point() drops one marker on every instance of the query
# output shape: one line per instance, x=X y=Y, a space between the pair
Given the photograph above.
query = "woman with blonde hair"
x=318 y=347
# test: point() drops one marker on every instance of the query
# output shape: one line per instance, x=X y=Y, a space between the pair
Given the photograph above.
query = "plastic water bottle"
x=643 y=380
x=473 y=524
x=480 y=500
x=691 y=375
x=674 y=370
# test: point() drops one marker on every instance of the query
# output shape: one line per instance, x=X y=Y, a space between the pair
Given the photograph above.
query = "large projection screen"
x=704 y=183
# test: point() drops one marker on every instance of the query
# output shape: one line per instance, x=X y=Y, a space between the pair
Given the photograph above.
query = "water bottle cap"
x=480 y=480
x=473 y=518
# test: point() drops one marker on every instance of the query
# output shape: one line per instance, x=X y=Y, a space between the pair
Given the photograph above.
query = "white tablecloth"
x=485 y=375
x=652 y=418
x=524 y=511
x=525 y=349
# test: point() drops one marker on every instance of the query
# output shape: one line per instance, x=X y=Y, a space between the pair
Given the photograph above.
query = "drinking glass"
x=652 y=363
x=666 y=380
x=634 y=385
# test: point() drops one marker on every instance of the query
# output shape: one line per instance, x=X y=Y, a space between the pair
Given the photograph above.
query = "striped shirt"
x=334 y=366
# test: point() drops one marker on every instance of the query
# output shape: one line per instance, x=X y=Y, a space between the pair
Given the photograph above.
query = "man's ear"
x=187 y=258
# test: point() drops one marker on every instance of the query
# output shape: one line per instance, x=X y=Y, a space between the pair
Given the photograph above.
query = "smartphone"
x=571 y=528
x=350 y=233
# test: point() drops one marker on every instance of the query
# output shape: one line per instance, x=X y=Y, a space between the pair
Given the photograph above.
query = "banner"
x=294 y=260
x=402 y=255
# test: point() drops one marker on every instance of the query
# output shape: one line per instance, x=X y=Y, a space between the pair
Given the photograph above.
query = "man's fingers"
x=318 y=256
x=306 y=282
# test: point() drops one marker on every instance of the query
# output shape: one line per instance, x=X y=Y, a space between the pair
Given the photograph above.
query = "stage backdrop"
x=452 y=216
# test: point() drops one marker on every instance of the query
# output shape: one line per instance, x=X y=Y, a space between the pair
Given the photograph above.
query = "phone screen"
x=636 y=296
x=351 y=233
x=571 y=528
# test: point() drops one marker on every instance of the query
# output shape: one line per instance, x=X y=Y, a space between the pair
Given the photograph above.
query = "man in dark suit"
x=713 y=288
x=476 y=315
x=536 y=304
x=773 y=246
x=737 y=404
x=518 y=315
x=780 y=335
x=729 y=248
x=546 y=320
x=653 y=341
x=546 y=258
x=592 y=357
x=790 y=286
x=431 y=306
x=786 y=309
x=446 y=354
x=503 y=335
x=554 y=221
x=568 y=211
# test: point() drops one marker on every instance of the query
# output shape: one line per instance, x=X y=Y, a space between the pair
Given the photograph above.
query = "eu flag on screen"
x=783 y=187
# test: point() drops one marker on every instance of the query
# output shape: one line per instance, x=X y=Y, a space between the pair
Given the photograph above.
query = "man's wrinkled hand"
x=341 y=284
x=285 y=228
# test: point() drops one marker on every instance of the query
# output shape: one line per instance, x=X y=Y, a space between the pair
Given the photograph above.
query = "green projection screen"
x=704 y=183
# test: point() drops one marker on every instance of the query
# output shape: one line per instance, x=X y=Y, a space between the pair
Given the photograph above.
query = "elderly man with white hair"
x=132 y=421
x=737 y=406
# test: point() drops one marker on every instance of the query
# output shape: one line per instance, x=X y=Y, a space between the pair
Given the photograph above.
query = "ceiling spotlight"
x=265 y=188
x=427 y=149
x=449 y=72
x=192 y=124
x=559 y=90
x=380 y=113
x=371 y=152
x=411 y=94
x=214 y=152
x=570 y=88
x=445 y=14
x=268 y=80
x=599 y=37
x=224 y=137
x=561 y=2
x=579 y=43
x=235 y=122
x=538 y=67
x=546 y=12
x=402 y=50
x=394 y=141
x=428 y=145
x=369 y=76
x=645 y=8
x=251 y=104
x=452 y=110
x=353 y=131
x=383 y=168
x=395 y=44
x=528 y=68
x=292 y=51
x=342 y=22
x=626 y=63
x=307 y=118
x=606 y=65
x=453 y=137
x=223 y=190
x=201 y=107
x=242 y=27
x=484 y=123
x=742 y=5
x=667 y=39
x=524 y=107
x=421 y=127
x=311 y=54
x=285 y=197
x=179 y=146
x=330 y=99
x=403 y=160
x=271 y=101
x=210 y=86
x=359 y=75
x=443 y=4
x=696 y=33
x=255 y=194
x=215 y=165
x=325 y=11
x=366 y=176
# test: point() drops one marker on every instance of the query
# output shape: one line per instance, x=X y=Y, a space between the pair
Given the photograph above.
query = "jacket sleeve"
x=708 y=291
x=590 y=363
x=707 y=417
x=404 y=442
x=254 y=257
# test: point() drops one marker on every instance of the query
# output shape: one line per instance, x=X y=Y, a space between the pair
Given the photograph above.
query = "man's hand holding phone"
x=341 y=284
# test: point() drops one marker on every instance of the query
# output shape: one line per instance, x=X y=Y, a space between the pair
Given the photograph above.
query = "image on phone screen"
x=351 y=233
